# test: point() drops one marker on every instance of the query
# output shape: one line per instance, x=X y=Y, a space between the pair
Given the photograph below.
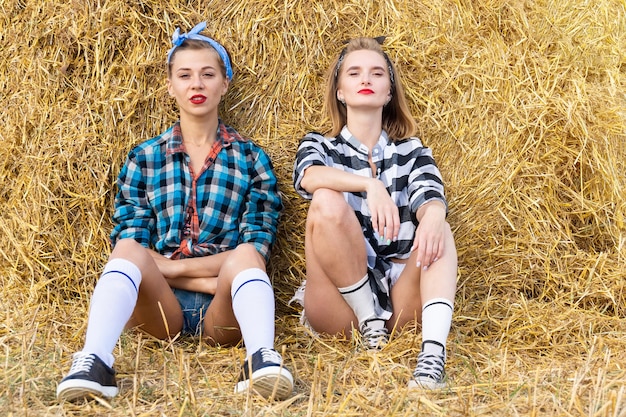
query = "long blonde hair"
x=397 y=119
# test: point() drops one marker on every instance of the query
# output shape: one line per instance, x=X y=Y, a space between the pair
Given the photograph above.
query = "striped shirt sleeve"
x=425 y=183
x=312 y=150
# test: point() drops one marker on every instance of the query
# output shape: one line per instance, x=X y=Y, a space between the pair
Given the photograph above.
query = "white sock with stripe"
x=112 y=304
x=360 y=298
x=254 y=307
x=436 y=322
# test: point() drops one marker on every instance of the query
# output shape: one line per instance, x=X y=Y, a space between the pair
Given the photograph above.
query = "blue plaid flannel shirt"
x=237 y=198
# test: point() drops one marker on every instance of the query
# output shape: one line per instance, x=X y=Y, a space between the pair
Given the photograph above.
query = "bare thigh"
x=335 y=257
x=415 y=286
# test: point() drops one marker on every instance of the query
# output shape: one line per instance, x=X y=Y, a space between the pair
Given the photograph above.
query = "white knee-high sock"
x=112 y=304
x=436 y=322
x=359 y=297
x=253 y=305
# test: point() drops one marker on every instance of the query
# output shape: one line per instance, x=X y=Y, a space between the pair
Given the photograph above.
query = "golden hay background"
x=523 y=103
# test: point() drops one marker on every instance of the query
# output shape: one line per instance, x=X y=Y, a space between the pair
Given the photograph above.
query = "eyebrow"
x=378 y=67
x=201 y=69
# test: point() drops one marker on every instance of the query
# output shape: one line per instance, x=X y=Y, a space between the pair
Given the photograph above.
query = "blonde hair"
x=194 y=45
x=397 y=119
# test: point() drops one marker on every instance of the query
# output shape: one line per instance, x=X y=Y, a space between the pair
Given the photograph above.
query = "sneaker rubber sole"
x=76 y=389
x=268 y=383
x=426 y=383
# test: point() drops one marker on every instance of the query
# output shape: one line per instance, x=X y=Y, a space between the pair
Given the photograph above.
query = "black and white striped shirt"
x=406 y=167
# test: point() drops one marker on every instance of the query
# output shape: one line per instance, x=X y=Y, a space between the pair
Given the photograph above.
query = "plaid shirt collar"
x=175 y=142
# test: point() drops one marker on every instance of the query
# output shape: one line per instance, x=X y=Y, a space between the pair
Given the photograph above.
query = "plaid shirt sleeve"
x=133 y=215
x=259 y=221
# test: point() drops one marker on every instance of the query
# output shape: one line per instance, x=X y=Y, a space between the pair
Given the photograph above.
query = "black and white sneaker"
x=265 y=374
x=89 y=376
x=374 y=334
x=429 y=372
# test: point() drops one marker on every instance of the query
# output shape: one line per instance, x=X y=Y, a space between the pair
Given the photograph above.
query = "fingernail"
x=388 y=241
x=418 y=264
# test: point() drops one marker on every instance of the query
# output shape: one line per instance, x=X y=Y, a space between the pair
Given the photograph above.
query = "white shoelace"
x=270 y=355
x=375 y=338
x=376 y=334
x=429 y=365
x=82 y=362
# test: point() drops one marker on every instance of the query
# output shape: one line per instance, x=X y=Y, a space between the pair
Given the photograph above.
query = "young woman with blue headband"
x=195 y=217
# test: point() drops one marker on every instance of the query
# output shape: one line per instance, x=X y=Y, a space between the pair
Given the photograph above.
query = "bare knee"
x=329 y=208
x=244 y=256
x=123 y=245
x=130 y=250
x=450 y=243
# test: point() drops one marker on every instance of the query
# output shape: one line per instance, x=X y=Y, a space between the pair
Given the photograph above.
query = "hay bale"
x=523 y=103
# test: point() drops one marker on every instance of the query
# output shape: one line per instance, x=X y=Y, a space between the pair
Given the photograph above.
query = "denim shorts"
x=194 y=306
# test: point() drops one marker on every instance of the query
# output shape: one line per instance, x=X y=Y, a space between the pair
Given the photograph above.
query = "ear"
x=169 y=87
x=225 y=86
x=339 y=95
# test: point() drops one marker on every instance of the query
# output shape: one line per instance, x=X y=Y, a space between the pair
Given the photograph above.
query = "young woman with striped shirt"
x=379 y=252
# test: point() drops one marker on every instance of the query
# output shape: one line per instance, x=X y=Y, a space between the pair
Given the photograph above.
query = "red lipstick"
x=197 y=99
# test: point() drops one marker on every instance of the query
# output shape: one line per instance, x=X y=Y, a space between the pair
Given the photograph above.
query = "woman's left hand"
x=429 y=236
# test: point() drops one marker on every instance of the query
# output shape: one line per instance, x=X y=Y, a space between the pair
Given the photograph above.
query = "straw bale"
x=523 y=103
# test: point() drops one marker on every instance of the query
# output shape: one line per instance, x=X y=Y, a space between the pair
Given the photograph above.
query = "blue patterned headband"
x=178 y=39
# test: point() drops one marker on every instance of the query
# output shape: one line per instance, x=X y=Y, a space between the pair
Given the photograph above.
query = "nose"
x=197 y=82
x=365 y=78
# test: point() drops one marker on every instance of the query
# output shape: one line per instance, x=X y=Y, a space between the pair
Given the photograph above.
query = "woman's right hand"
x=384 y=212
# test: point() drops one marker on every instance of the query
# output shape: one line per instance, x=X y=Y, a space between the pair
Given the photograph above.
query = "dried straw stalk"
x=523 y=103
